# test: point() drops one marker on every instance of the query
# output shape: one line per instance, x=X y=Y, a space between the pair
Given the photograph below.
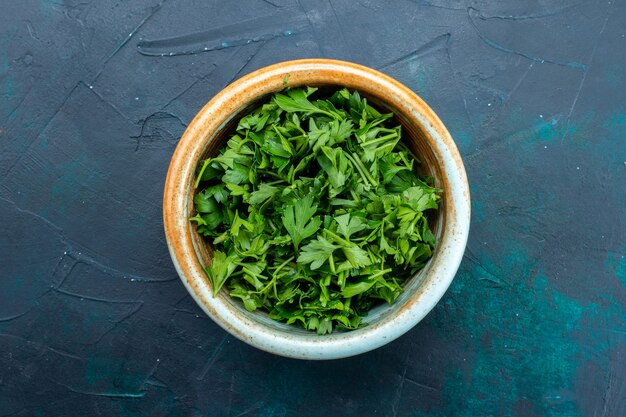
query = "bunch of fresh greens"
x=314 y=210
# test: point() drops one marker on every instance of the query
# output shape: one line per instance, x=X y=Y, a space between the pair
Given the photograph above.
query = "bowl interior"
x=414 y=136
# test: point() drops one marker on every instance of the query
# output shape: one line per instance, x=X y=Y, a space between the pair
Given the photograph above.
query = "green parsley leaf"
x=299 y=221
x=317 y=252
x=297 y=102
x=221 y=268
x=264 y=193
x=347 y=225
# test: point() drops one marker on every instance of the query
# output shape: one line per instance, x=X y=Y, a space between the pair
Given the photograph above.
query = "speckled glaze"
x=424 y=133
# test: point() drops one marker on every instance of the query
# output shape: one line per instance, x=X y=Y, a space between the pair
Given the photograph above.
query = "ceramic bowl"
x=424 y=133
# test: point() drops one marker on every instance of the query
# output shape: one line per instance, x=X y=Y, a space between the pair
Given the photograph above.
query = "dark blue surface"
x=93 y=319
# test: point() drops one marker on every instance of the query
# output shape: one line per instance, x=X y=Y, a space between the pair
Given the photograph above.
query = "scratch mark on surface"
x=42 y=347
x=196 y=81
x=154 y=368
x=123 y=204
x=278 y=6
x=58 y=267
x=117 y=323
x=255 y=30
x=212 y=359
x=515 y=87
x=604 y=250
x=231 y=390
x=493 y=44
x=155 y=383
x=525 y=234
x=87 y=260
x=30 y=87
x=492 y=277
x=66 y=354
x=195 y=313
x=11 y=318
x=585 y=71
x=340 y=28
x=254 y=407
x=45 y=126
x=81 y=297
x=150 y=380
x=324 y=30
x=530 y=16
x=153 y=11
x=68 y=6
x=163 y=113
x=311 y=24
x=438 y=6
x=96 y=299
x=35 y=215
x=422 y=50
x=18 y=412
x=42 y=295
x=102 y=393
x=509 y=140
x=456 y=82
x=204 y=77
x=31 y=31
x=513 y=212
x=606 y=397
x=234 y=57
x=419 y=384
x=367 y=6
x=247 y=61
x=104 y=100
x=183 y=298
x=398 y=393
x=156 y=116
x=72 y=12
x=14 y=336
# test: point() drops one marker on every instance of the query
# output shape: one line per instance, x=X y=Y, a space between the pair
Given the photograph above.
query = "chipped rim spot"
x=204 y=136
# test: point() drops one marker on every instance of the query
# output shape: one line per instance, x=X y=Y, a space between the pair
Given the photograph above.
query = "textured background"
x=95 y=94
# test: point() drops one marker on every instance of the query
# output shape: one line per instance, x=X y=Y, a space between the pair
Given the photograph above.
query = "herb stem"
x=361 y=169
x=281 y=266
x=337 y=238
x=358 y=161
x=331 y=262
x=380 y=273
x=204 y=166
x=271 y=174
x=380 y=139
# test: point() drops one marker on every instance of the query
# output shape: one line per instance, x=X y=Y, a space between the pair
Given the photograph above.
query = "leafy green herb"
x=314 y=210
x=298 y=220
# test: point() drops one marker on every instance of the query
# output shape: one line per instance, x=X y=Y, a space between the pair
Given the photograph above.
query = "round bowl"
x=424 y=133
